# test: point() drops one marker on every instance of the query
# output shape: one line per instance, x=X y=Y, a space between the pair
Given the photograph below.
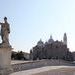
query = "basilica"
x=51 y=50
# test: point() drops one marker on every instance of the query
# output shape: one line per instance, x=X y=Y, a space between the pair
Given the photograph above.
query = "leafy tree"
x=20 y=55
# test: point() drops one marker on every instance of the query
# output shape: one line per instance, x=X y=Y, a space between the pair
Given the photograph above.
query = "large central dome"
x=50 y=40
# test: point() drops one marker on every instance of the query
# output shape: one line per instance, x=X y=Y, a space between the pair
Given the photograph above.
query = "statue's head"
x=5 y=18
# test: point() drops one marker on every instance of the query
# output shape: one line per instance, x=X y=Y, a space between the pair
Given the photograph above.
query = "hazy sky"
x=31 y=20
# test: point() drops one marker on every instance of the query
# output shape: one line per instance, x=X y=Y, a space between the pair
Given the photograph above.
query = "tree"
x=20 y=55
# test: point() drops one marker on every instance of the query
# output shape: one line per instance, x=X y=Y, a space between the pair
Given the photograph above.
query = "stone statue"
x=5 y=30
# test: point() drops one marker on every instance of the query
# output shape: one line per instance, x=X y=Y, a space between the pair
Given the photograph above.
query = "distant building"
x=51 y=49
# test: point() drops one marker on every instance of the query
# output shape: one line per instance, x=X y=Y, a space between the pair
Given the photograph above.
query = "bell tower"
x=65 y=39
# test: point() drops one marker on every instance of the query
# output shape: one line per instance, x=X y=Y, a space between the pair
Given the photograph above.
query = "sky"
x=32 y=20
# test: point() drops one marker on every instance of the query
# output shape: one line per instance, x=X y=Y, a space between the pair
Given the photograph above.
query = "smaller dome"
x=50 y=40
x=40 y=43
x=46 y=43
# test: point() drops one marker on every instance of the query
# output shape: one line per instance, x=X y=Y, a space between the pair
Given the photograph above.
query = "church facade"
x=51 y=50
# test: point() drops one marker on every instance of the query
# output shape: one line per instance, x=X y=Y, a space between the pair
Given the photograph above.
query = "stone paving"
x=38 y=70
x=33 y=67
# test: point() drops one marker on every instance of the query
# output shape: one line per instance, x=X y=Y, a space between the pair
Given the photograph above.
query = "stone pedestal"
x=5 y=60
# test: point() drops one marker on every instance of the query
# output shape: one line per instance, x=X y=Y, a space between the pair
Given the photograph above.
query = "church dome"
x=46 y=43
x=40 y=43
x=50 y=40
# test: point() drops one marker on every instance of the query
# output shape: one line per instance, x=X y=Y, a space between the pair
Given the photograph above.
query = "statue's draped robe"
x=5 y=30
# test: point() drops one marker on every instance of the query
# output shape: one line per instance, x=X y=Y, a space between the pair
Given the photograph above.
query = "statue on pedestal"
x=5 y=30
x=5 y=49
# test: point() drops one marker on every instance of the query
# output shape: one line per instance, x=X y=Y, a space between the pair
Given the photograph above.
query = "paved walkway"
x=19 y=61
x=38 y=70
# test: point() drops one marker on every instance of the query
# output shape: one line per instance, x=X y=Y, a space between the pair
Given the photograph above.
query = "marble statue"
x=5 y=49
x=5 y=30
